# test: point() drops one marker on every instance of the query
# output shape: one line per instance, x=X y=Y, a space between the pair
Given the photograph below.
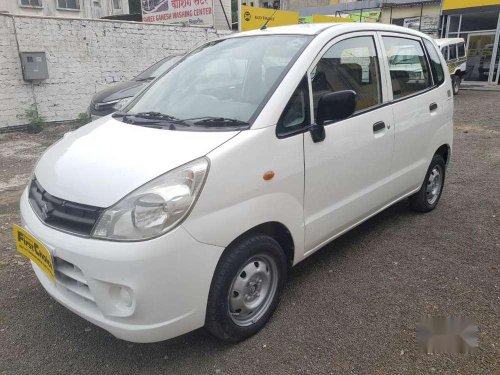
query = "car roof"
x=448 y=41
x=332 y=27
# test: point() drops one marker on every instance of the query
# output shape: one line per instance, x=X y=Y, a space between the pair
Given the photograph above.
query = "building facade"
x=417 y=15
x=420 y=15
x=478 y=22
x=65 y=8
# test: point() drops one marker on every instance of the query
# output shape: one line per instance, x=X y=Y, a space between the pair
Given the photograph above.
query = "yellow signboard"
x=320 y=18
x=253 y=18
x=460 y=4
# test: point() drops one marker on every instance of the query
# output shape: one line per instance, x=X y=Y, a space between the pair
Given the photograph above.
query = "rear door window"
x=407 y=65
x=435 y=61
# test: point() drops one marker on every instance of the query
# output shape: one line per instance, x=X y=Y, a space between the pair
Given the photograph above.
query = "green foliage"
x=82 y=119
x=36 y=123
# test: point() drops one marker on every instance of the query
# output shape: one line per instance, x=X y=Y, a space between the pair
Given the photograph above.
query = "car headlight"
x=156 y=207
x=122 y=103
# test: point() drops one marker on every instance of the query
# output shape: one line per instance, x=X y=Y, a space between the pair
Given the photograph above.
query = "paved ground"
x=349 y=309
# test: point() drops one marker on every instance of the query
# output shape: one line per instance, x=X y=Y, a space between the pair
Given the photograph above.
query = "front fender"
x=236 y=198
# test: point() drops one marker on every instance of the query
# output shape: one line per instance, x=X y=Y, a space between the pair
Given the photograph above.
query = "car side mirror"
x=335 y=106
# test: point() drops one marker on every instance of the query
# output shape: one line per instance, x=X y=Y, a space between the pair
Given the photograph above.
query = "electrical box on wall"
x=34 y=66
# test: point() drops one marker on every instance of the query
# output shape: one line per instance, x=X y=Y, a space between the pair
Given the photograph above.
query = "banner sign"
x=253 y=18
x=320 y=18
x=365 y=16
x=190 y=12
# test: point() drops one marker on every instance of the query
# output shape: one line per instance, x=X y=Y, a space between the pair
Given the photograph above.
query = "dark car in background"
x=117 y=96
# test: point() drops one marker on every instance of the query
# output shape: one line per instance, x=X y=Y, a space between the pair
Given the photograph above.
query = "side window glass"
x=444 y=51
x=436 y=67
x=407 y=65
x=453 y=52
x=461 y=50
x=351 y=64
x=296 y=114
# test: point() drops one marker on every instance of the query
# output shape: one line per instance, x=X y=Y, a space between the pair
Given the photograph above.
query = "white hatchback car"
x=188 y=208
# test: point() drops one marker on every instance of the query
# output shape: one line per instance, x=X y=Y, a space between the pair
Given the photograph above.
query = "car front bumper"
x=139 y=291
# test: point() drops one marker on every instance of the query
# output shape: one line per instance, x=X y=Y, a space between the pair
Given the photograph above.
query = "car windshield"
x=223 y=82
x=157 y=69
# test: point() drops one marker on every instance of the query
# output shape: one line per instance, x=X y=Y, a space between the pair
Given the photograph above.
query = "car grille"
x=60 y=214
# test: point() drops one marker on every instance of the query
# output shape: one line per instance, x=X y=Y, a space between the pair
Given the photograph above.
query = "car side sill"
x=313 y=250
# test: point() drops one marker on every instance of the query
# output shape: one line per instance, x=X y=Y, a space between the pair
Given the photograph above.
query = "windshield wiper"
x=152 y=119
x=215 y=121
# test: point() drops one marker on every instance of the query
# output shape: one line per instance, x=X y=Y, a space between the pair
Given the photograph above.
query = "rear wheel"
x=456 y=81
x=427 y=198
x=245 y=288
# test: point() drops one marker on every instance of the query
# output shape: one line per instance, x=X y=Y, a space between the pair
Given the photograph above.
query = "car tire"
x=427 y=198
x=250 y=275
x=455 y=82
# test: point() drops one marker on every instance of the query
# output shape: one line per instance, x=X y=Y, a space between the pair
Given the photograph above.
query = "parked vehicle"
x=188 y=207
x=454 y=52
x=116 y=97
x=409 y=64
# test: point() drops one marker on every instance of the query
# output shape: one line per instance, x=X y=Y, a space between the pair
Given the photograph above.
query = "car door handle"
x=378 y=126
x=433 y=107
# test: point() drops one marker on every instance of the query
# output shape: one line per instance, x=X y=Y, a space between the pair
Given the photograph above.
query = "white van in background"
x=454 y=52
x=188 y=207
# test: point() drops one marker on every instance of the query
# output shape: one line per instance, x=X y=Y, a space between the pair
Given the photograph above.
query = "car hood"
x=105 y=160
x=119 y=91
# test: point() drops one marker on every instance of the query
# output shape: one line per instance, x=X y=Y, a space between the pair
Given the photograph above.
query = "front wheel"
x=427 y=198
x=246 y=287
x=456 y=81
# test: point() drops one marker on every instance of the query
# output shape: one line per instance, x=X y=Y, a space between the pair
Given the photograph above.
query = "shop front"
x=478 y=22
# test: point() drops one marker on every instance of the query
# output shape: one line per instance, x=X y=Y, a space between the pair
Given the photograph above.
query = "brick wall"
x=83 y=57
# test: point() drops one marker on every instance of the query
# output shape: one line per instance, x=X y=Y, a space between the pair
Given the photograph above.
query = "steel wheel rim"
x=252 y=290
x=434 y=185
x=455 y=84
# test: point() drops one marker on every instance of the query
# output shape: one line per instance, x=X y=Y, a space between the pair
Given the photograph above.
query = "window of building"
x=454 y=23
x=436 y=67
x=407 y=65
x=351 y=64
x=68 y=4
x=31 y=3
x=117 y=4
x=479 y=21
x=296 y=114
x=453 y=51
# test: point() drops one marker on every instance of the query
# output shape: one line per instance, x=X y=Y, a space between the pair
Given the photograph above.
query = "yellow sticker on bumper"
x=33 y=249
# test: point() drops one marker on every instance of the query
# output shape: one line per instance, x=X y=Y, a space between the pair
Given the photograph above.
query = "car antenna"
x=264 y=26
